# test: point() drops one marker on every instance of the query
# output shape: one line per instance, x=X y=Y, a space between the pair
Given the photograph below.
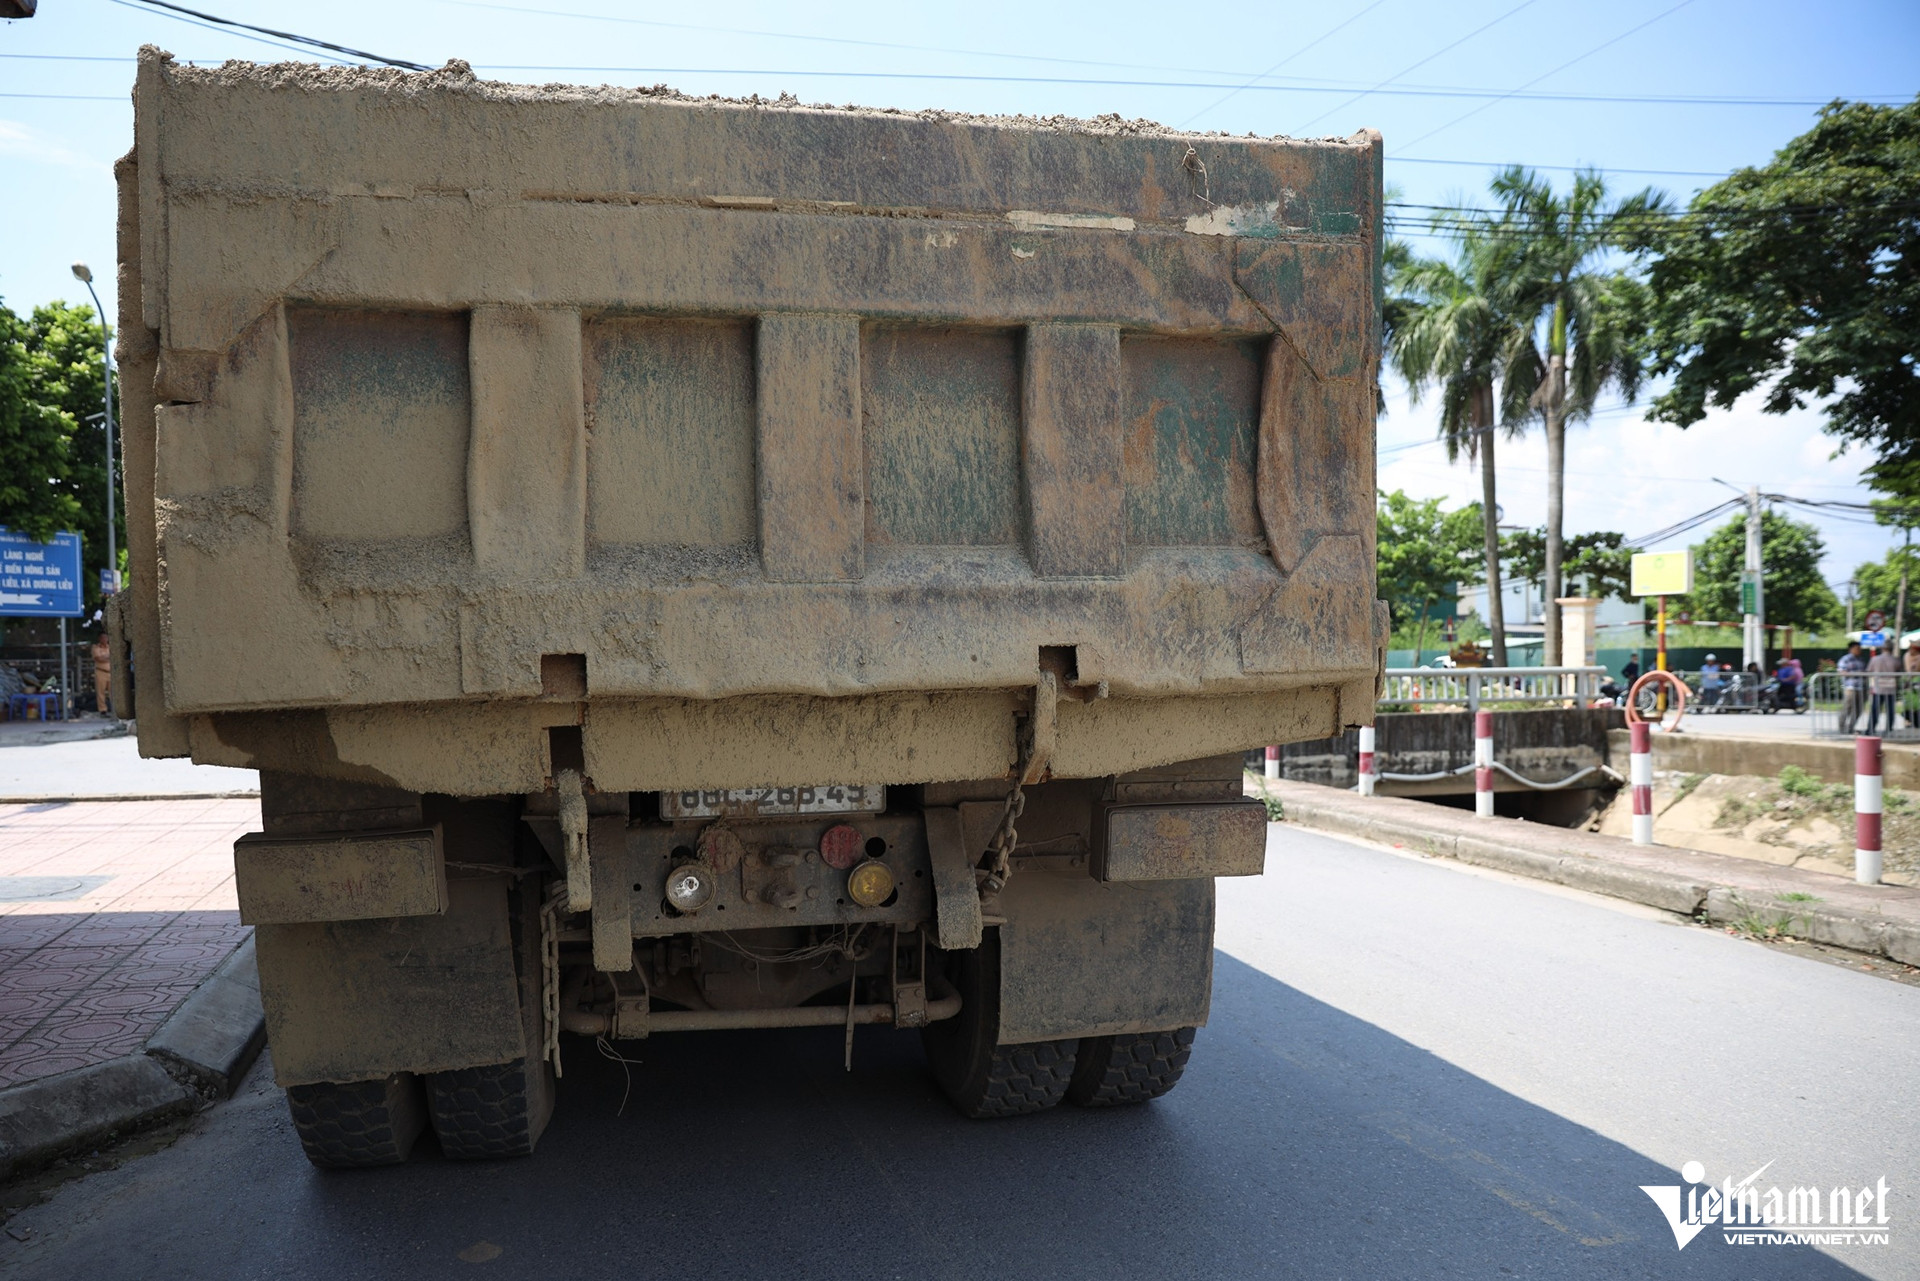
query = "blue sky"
x=1428 y=75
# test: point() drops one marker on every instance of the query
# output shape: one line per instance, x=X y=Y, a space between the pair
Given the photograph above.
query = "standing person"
x=1631 y=672
x=1853 y=687
x=1910 y=684
x=1882 y=684
x=102 y=671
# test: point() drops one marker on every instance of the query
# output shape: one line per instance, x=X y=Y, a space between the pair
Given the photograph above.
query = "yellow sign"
x=1662 y=574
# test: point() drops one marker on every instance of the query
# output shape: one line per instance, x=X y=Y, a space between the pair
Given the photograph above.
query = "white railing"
x=1472 y=688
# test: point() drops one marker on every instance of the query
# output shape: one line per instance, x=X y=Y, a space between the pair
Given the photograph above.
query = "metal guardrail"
x=1723 y=692
x=1475 y=687
x=1886 y=704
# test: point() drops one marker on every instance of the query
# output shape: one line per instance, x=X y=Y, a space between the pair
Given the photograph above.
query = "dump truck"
x=682 y=564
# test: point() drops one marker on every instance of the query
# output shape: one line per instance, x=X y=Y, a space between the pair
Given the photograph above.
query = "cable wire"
x=1417 y=65
x=309 y=41
x=1545 y=74
x=1312 y=44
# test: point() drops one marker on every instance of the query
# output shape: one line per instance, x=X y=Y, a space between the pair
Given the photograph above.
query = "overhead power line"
x=1315 y=43
x=1415 y=66
x=1606 y=44
x=174 y=9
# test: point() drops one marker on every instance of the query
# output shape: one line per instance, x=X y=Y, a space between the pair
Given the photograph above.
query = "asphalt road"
x=1412 y=1071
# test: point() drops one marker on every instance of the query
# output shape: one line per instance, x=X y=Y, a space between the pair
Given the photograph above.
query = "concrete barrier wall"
x=1544 y=744
x=1831 y=761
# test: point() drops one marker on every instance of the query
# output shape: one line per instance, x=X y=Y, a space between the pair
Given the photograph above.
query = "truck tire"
x=1129 y=1067
x=494 y=1111
x=981 y=1077
x=358 y=1123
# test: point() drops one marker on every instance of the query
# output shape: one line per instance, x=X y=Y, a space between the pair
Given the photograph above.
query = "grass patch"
x=1800 y=896
x=1276 y=812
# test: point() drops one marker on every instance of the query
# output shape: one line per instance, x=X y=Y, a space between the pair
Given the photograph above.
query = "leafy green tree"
x=1449 y=327
x=1790 y=553
x=1600 y=560
x=1582 y=312
x=1804 y=271
x=64 y=345
x=1424 y=555
x=1876 y=584
x=36 y=496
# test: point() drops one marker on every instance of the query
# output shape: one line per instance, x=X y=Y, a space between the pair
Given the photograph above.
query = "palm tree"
x=1449 y=325
x=1577 y=313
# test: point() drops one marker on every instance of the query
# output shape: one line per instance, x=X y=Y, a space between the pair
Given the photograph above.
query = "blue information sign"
x=39 y=580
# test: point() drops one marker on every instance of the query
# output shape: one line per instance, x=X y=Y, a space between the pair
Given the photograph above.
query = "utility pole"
x=1753 y=601
x=84 y=275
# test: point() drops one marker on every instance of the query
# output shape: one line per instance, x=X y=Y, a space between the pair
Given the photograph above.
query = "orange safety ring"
x=1680 y=692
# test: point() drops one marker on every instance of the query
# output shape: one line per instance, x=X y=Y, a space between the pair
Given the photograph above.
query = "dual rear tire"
x=985 y=1079
x=476 y=1113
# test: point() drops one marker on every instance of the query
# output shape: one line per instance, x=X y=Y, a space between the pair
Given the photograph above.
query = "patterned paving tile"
x=88 y=979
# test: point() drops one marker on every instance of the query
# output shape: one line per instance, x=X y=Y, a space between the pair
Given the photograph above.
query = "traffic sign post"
x=42 y=580
x=39 y=580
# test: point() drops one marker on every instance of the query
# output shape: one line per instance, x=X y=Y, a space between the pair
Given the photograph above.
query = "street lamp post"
x=85 y=277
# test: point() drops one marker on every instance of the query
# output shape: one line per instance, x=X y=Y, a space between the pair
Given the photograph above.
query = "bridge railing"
x=1883 y=704
x=1471 y=688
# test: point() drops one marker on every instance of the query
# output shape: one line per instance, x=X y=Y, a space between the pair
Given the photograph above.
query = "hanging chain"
x=1036 y=750
x=994 y=878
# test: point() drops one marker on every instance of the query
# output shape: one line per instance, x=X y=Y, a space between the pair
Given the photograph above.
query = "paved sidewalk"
x=1878 y=919
x=111 y=913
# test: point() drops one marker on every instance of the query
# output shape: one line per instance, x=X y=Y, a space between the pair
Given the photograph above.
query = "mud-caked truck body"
x=681 y=564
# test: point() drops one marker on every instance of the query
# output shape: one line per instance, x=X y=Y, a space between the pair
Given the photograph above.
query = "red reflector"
x=840 y=846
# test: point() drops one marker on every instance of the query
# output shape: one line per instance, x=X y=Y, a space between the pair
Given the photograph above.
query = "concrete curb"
x=198 y=1055
x=1689 y=895
x=215 y=1035
x=48 y=1118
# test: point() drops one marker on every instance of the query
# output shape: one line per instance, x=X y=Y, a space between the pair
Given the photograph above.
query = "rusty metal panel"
x=1083 y=958
x=1173 y=842
x=942 y=414
x=451 y=378
x=1076 y=484
x=956 y=895
x=355 y=1000
x=1192 y=421
x=381 y=408
x=527 y=459
x=773 y=875
x=672 y=424
x=288 y=880
x=812 y=518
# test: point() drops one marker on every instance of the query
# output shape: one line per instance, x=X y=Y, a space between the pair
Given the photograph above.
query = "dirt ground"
x=1792 y=819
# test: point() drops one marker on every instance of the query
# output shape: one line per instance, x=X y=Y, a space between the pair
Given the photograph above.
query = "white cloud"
x=1630 y=475
x=23 y=142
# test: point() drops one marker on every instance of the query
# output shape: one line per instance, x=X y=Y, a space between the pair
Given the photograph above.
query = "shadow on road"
x=1303 y=1143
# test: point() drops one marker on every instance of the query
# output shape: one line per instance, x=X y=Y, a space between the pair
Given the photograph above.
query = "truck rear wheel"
x=1129 y=1067
x=980 y=1076
x=493 y=1111
x=358 y=1123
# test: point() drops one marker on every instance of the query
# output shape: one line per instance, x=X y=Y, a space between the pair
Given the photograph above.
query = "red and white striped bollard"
x=1273 y=762
x=1640 y=779
x=1366 y=760
x=1483 y=764
x=1867 y=807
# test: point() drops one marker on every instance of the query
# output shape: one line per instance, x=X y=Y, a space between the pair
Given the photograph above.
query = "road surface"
x=1412 y=1070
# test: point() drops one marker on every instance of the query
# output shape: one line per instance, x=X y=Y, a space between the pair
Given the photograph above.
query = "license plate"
x=773 y=802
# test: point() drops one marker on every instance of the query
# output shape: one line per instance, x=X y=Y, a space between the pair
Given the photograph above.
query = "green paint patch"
x=1192 y=424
